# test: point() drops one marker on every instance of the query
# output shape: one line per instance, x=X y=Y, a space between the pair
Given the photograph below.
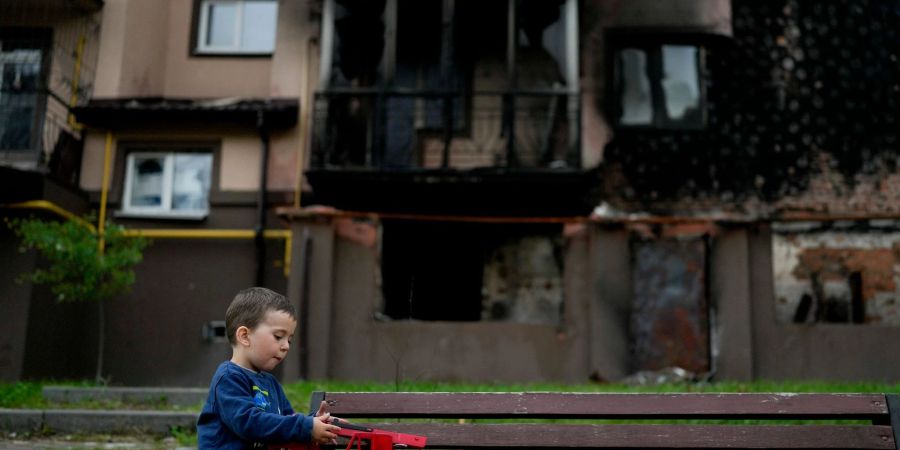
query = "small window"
x=659 y=86
x=167 y=184
x=237 y=27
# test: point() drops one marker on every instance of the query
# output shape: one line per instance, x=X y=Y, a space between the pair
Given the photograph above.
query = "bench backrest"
x=522 y=429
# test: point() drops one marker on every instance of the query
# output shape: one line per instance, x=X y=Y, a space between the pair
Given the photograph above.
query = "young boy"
x=246 y=407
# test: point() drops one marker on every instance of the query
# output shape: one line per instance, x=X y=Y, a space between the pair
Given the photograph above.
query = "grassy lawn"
x=299 y=393
x=28 y=394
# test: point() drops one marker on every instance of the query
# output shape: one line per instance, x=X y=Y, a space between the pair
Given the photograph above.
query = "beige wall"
x=239 y=154
x=146 y=51
x=132 y=51
x=207 y=76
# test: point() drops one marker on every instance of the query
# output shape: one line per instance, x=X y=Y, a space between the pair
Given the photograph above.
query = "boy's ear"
x=242 y=335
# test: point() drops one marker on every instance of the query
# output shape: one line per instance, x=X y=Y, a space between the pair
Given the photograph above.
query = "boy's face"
x=267 y=344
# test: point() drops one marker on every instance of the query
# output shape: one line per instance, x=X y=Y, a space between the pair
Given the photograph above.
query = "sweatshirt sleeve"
x=252 y=424
x=287 y=408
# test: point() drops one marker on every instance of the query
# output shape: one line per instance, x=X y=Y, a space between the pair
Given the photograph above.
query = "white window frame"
x=164 y=211
x=235 y=47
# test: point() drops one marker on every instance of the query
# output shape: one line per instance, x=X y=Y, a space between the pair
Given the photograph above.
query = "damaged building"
x=508 y=190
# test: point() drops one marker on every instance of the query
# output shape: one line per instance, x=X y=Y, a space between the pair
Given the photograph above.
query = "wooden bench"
x=473 y=420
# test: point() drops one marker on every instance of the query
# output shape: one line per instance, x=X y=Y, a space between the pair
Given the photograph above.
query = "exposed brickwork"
x=821 y=265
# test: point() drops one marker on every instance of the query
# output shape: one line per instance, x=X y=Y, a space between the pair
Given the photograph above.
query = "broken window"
x=827 y=273
x=471 y=272
x=658 y=85
x=167 y=184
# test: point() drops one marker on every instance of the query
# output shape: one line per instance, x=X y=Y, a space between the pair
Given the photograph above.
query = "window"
x=22 y=88
x=237 y=27
x=659 y=86
x=167 y=184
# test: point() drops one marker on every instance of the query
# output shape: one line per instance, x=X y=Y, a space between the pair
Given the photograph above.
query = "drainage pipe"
x=260 y=227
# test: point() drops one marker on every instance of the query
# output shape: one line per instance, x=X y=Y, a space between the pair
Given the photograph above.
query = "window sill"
x=230 y=54
x=162 y=215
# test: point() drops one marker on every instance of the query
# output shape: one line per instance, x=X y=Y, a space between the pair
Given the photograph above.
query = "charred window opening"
x=658 y=83
x=440 y=271
x=827 y=273
x=408 y=84
x=358 y=42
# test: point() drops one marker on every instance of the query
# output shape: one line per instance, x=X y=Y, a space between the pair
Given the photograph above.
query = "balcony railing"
x=400 y=130
x=48 y=51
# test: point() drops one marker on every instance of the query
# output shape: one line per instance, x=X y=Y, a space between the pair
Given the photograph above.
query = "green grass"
x=21 y=395
x=299 y=393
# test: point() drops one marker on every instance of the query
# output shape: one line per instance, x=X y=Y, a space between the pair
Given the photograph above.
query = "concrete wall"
x=610 y=310
x=821 y=351
x=155 y=333
x=346 y=341
x=15 y=301
x=732 y=330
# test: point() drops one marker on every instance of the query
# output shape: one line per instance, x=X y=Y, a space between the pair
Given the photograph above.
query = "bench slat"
x=609 y=406
x=545 y=436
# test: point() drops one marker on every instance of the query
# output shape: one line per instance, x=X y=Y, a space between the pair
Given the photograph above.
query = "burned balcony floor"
x=473 y=192
x=501 y=153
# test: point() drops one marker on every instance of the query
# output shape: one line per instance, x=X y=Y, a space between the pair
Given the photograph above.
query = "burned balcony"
x=48 y=53
x=449 y=152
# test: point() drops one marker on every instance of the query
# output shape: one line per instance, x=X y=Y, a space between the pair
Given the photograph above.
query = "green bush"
x=82 y=263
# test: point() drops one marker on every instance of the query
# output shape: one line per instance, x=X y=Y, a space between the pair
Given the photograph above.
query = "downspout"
x=104 y=190
x=258 y=238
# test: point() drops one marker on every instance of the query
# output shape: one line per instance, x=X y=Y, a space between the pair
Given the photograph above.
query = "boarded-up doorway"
x=670 y=315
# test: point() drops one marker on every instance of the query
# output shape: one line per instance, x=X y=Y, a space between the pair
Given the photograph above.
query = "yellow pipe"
x=178 y=233
x=76 y=79
x=52 y=207
x=104 y=190
x=288 y=241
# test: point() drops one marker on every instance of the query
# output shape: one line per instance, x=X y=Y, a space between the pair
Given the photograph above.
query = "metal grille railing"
x=48 y=53
x=359 y=128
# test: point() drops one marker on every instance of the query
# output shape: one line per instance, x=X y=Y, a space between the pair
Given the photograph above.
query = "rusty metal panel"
x=670 y=320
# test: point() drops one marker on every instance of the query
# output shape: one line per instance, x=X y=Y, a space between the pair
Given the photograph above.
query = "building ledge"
x=131 y=112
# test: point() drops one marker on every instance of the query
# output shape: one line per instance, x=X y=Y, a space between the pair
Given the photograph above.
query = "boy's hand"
x=322 y=431
x=323 y=408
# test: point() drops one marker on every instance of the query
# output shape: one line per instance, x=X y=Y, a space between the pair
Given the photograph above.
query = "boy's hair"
x=250 y=306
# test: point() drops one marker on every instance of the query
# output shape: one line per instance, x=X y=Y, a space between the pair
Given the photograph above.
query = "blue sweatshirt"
x=246 y=409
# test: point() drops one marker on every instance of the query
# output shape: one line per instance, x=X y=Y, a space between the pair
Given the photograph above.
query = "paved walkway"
x=88 y=429
x=68 y=442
